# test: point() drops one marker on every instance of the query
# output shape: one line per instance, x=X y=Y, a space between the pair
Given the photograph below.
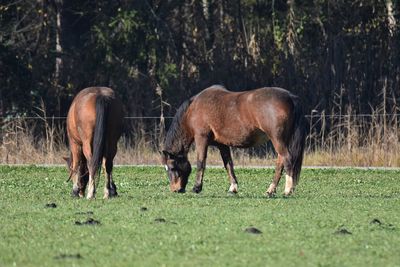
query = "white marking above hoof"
x=233 y=188
x=288 y=192
x=289 y=188
x=90 y=196
x=271 y=189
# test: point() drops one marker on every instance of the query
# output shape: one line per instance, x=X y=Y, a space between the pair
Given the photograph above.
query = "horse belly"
x=258 y=138
x=242 y=138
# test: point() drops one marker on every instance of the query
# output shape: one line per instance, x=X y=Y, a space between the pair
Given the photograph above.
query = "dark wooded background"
x=339 y=56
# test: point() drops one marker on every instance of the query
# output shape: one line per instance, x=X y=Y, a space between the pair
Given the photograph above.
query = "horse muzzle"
x=177 y=189
x=75 y=192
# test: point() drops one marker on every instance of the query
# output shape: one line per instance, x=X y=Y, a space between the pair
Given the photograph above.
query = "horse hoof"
x=197 y=189
x=108 y=196
x=233 y=188
x=270 y=195
x=287 y=195
x=113 y=193
x=232 y=194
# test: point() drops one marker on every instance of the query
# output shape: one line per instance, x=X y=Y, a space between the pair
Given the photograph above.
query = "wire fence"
x=325 y=131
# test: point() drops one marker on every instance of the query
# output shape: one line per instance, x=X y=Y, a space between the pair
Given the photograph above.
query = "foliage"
x=334 y=54
x=310 y=228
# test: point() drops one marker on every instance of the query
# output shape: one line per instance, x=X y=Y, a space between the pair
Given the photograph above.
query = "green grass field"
x=336 y=218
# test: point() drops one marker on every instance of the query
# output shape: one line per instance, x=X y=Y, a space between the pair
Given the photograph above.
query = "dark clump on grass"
x=343 y=231
x=89 y=221
x=143 y=209
x=382 y=225
x=84 y=213
x=51 y=205
x=376 y=221
x=162 y=220
x=68 y=256
x=253 y=230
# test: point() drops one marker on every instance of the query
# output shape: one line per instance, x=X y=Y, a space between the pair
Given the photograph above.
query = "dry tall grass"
x=348 y=140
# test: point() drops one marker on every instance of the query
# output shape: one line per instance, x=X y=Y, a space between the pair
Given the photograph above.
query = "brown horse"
x=227 y=119
x=94 y=125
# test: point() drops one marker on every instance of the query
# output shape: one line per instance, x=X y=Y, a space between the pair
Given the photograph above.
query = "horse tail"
x=297 y=140
x=99 y=133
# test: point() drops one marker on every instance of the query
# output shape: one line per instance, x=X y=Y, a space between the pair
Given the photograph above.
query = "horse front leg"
x=201 y=150
x=225 y=152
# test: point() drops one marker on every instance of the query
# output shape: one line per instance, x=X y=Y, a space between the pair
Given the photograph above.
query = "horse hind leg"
x=271 y=191
x=110 y=189
x=283 y=162
x=83 y=176
x=91 y=192
x=91 y=185
x=291 y=176
x=77 y=169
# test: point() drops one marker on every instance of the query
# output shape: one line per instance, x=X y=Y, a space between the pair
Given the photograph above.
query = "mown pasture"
x=337 y=217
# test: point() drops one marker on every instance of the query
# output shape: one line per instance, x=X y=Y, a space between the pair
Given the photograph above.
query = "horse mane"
x=175 y=140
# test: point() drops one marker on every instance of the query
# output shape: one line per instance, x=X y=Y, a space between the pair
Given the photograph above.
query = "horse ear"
x=164 y=156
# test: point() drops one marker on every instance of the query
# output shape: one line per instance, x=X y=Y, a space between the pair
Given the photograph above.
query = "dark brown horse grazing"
x=94 y=125
x=227 y=119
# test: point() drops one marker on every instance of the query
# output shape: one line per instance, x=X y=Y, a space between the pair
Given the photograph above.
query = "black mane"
x=175 y=140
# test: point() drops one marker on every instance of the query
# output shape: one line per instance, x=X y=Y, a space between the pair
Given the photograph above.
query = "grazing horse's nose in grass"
x=177 y=189
x=75 y=191
x=180 y=190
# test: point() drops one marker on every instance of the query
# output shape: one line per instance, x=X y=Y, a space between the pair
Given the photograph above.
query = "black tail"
x=297 y=140
x=99 y=133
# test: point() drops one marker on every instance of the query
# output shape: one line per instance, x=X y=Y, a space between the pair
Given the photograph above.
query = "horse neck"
x=179 y=139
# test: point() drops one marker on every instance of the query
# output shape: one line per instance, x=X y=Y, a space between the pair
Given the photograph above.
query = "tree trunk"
x=58 y=62
x=205 y=10
x=390 y=17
